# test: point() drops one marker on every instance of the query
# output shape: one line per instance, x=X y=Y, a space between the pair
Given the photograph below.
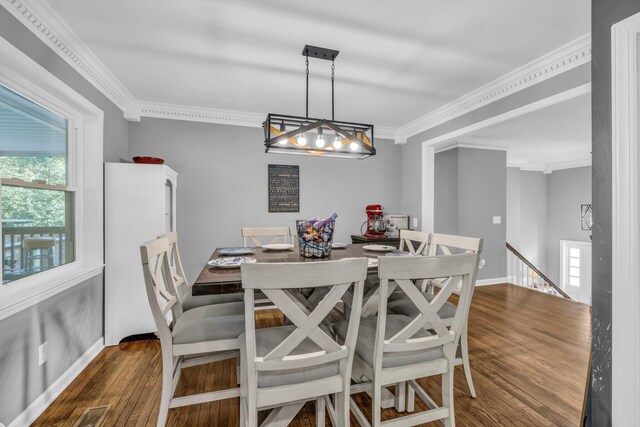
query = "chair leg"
x=411 y=398
x=320 y=412
x=341 y=404
x=376 y=410
x=167 y=389
x=400 y=396
x=464 y=349
x=447 y=395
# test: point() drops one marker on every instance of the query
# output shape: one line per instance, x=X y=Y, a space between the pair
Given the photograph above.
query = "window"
x=574 y=267
x=55 y=156
x=37 y=203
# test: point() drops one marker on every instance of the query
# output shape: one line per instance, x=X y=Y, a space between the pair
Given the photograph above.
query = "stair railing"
x=523 y=273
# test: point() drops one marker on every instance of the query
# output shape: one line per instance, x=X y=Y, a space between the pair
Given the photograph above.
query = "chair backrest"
x=447 y=244
x=415 y=242
x=280 y=283
x=277 y=234
x=154 y=261
x=175 y=273
x=400 y=272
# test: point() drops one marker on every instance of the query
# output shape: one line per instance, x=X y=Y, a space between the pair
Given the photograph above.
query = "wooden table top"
x=222 y=281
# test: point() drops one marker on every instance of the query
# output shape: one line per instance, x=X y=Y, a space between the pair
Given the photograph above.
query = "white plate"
x=337 y=245
x=278 y=247
x=379 y=248
x=233 y=262
x=236 y=251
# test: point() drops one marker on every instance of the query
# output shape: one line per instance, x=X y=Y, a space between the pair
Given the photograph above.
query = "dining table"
x=215 y=280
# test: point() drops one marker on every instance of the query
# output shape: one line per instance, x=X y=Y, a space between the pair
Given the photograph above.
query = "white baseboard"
x=43 y=401
x=494 y=281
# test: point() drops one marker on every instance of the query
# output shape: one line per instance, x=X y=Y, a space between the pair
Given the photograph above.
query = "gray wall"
x=411 y=195
x=70 y=322
x=566 y=191
x=470 y=189
x=533 y=218
x=604 y=13
x=222 y=183
x=446 y=192
x=543 y=209
x=482 y=194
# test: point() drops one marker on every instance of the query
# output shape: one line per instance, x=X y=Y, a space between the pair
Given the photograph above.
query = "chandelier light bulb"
x=320 y=140
x=353 y=146
x=337 y=143
x=302 y=140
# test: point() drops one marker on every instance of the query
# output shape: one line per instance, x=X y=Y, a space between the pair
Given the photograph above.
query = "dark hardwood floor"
x=528 y=351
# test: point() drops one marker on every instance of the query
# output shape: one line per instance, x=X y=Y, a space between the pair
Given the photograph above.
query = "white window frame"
x=21 y=74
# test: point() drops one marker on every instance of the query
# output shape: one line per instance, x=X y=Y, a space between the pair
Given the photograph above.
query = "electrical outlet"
x=497 y=220
x=43 y=353
x=483 y=262
x=415 y=222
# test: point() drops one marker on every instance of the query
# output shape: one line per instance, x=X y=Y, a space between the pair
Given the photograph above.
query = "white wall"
x=222 y=183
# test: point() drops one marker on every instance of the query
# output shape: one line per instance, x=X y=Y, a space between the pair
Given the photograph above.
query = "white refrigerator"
x=140 y=204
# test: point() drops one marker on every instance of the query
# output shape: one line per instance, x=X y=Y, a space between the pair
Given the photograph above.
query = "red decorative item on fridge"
x=148 y=160
x=376 y=226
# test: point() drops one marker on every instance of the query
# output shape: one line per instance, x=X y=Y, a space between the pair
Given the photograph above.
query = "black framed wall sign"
x=284 y=188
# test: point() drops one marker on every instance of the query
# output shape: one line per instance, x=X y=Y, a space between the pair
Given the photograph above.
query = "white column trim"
x=428 y=188
x=625 y=325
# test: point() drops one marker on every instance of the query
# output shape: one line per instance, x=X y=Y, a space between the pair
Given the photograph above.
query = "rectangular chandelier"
x=317 y=137
x=287 y=134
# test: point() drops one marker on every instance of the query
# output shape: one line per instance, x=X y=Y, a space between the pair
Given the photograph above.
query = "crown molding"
x=39 y=17
x=194 y=114
x=552 y=167
x=214 y=115
x=565 y=58
x=476 y=143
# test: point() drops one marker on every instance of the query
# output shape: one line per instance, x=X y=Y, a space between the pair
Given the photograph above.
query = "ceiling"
x=550 y=138
x=398 y=60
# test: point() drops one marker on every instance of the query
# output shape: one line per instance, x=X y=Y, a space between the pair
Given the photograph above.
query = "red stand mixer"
x=376 y=226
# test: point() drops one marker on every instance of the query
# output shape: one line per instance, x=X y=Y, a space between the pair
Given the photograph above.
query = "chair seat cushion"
x=406 y=307
x=191 y=301
x=268 y=338
x=211 y=323
x=395 y=323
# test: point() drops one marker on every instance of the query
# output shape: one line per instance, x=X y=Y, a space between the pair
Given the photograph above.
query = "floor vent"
x=93 y=417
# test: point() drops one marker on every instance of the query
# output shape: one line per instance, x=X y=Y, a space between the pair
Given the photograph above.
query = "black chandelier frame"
x=283 y=132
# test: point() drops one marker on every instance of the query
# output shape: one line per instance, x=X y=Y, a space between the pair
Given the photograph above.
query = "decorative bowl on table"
x=146 y=160
x=315 y=237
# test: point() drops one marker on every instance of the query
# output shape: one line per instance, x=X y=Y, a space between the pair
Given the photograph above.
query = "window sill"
x=29 y=291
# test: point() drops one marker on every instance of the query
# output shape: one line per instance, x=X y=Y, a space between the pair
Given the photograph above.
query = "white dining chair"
x=255 y=236
x=443 y=244
x=195 y=337
x=285 y=366
x=394 y=349
x=415 y=242
x=183 y=290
